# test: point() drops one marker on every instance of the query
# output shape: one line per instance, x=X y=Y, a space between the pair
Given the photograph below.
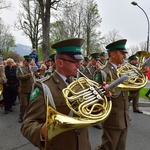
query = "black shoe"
x=138 y=111
x=98 y=126
x=20 y=120
x=6 y=112
x=10 y=110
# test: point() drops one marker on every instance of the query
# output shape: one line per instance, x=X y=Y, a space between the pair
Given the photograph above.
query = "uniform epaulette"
x=44 y=79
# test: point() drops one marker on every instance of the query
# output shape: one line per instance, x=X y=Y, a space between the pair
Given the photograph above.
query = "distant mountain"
x=22 y=49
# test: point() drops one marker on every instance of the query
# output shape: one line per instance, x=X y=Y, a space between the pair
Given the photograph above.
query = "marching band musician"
x=3 y=80
x=67 y=59
x=52 y=66
x=91 y=67
x=116 y=125
x=26 y=79
x=134 y=95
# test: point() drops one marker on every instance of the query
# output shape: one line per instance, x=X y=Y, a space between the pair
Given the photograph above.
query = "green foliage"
x=143 y=91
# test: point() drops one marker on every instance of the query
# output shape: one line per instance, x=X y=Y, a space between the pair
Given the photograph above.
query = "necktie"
x=68 y=80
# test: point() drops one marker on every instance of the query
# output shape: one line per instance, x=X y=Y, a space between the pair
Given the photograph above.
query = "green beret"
x=133 y=57
x=71 y=47
x=86 y=59
x=95 y=55
x=117 y=45
x=102 y=54
x=52 y=57
x=28 y=57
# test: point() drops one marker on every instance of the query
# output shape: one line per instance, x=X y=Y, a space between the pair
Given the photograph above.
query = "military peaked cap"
x=95 y=55
x=52 y=57
x=28 y=57
x=71 y=47
x=117 y=45
x=132 y=57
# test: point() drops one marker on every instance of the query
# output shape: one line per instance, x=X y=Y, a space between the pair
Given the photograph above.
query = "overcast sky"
x=120 y=15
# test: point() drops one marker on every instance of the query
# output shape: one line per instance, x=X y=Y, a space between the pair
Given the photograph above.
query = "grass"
x=143 y=91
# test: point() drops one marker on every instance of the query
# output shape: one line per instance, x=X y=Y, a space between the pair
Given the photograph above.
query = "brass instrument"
x=87 y=100
x=1 y=89
x=137 y=79
x=39 y=72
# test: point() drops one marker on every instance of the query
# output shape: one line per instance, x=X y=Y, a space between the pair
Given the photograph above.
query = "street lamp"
x=135 y=4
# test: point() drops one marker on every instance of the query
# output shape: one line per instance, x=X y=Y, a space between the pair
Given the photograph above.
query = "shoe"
x=98 y=126
x=6 y=112
x=10 y=110
x=20 y=120
x=138 y=111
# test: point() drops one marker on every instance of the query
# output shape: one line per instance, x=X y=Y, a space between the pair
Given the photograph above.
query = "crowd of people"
x=16 y=80
x=33 y=82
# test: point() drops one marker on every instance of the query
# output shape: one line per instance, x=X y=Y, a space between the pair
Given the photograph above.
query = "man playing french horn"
x=35 y=125
x=115 y=127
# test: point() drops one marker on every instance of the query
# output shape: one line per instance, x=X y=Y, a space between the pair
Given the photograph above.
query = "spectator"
x=11 y=87
x=35 y=56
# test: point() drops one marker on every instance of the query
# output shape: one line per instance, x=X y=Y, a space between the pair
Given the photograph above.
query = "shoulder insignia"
x=34 y=94
x=86 y=71
x=97 y=77
x=44 y=79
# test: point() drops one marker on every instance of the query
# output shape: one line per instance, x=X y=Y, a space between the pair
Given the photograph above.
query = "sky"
x=129 y=20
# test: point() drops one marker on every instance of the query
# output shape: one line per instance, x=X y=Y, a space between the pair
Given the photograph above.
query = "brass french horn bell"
x=137 y=79
x=86 y=100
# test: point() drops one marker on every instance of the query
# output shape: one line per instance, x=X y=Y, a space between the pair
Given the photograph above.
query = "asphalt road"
x=12 y=139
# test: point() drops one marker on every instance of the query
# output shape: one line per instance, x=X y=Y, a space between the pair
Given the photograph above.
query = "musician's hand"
x=43 y=131
x=108 y=93
x=145 y=70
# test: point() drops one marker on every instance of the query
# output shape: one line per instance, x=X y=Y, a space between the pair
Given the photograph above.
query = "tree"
x=29 y=22
x=4 y=4
x=45 y=8
x=110 y=37
x=78 y=19
x=6 y=38
x=16 y=57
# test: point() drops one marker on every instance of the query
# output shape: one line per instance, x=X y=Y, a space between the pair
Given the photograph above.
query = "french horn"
x=137 y=79
x=86 y=100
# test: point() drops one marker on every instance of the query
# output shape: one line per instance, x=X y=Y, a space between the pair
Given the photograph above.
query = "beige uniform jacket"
x=25 y=80
x=89 y=71
x=76 y=139
x=3 y=80
x=119 y=116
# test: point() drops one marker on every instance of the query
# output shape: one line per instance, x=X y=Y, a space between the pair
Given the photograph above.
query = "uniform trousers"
x=113 y=139
x=134 y=97
x=24 y=102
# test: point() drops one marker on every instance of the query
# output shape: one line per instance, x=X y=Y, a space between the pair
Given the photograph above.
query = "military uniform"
x=51 y=69
x=90 y=69
x=115 y=126
x=103 y=61
x=3 y=80
x=25 y=87
x=76 y=139
x=83 y=66
x=134 y=95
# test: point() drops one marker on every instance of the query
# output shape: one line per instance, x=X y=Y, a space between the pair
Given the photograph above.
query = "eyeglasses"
x=74 y=62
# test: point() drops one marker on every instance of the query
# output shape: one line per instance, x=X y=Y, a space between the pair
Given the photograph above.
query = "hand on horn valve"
x=145 y=70
x=107 y=92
